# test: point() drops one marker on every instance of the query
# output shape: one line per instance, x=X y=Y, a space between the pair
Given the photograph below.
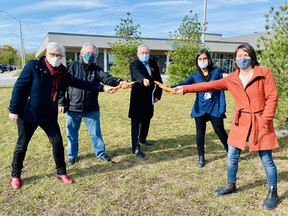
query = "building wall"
x=223 y=48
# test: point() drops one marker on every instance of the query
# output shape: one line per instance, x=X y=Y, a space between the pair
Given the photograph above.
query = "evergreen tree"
x=275 y=53
x=124 y=51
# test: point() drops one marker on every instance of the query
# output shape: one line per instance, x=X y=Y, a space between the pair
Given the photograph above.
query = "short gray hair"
x=89 y=44
x=143 y=45
x=53 y=45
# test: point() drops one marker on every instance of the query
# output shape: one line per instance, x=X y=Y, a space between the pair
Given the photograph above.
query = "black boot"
x=271 y=200
x=228 y=189
x=201 y=161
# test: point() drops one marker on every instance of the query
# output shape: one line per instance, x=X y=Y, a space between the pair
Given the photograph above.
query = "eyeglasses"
x=56 y=55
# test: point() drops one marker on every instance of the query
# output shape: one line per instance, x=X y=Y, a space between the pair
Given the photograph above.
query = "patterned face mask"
x=243 y=63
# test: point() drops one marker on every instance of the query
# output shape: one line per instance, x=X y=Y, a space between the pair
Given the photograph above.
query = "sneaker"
x=106 y=158
x=71 y=161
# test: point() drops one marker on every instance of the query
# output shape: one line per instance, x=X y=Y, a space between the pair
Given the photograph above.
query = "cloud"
x=156 y=17
x=165 y=3
x=237 y=2
x=60 y=5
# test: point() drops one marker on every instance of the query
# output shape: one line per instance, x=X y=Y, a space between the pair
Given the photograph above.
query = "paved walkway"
x=8 y=78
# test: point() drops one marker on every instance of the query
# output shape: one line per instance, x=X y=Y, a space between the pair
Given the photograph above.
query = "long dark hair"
x=250 y=50
x=210 y=63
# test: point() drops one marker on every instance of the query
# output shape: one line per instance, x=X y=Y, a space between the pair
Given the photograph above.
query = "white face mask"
x=54 y=61
x=202 y=64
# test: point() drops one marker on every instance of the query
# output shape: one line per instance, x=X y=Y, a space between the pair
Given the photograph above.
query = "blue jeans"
x=267 y=161
x=92 y=121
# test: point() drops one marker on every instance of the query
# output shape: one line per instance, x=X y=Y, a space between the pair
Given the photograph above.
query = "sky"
x=99 y=17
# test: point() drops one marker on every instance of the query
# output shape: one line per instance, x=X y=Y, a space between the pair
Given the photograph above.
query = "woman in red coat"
x=255 y=94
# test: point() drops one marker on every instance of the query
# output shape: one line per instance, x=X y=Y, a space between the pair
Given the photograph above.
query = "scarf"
x=57 y=73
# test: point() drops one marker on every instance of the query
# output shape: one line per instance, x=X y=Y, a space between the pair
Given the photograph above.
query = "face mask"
x=54 y=61
x=144 y=58
x=202 y=64
x=89 y=57
x=243 y=63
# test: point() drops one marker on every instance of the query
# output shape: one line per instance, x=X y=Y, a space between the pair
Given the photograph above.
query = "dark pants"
x=139 y=131
x=25 y=131
x=218 y=126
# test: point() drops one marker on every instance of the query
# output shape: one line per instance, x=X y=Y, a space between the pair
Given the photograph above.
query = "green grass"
x=167 y=182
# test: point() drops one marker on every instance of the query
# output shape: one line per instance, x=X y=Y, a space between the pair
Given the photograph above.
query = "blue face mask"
x=144 y=58
x=243 y=63
x=89 y=57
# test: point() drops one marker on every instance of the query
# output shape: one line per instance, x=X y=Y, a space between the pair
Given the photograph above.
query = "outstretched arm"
x=202 y=87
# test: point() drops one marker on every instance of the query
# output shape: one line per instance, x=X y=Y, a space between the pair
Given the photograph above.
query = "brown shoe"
x=16 y=183
x=65 y=179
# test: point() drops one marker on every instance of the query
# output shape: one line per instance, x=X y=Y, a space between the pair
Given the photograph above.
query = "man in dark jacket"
x=84 y=104
x=144 y=94
x=34 y=103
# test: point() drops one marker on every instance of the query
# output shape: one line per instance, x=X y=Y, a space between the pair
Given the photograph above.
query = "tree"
x=127 y=30
x=124 y=51
x=8 y=55
x=275 y=52
x=29 y=56
x=186 y=43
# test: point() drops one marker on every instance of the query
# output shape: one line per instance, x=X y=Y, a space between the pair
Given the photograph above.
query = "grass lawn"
x=166 y=182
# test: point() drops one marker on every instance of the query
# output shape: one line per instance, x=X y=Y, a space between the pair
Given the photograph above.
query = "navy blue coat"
x=31 y=96
x=216 y=105
x=141 y=105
